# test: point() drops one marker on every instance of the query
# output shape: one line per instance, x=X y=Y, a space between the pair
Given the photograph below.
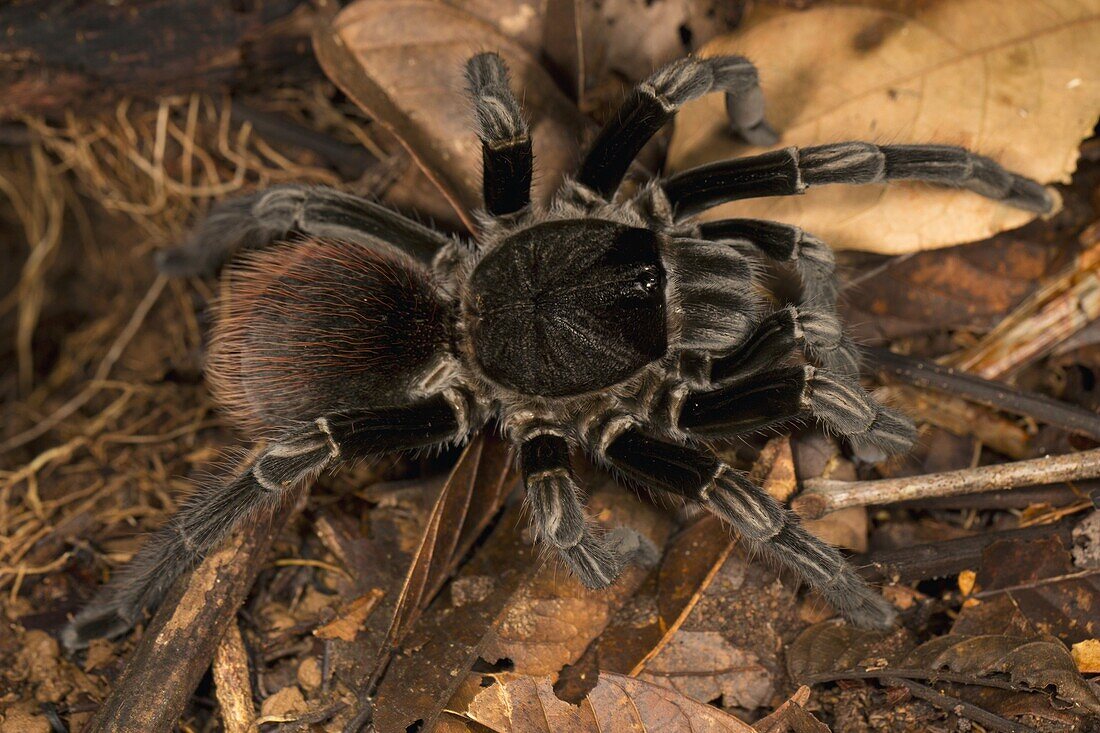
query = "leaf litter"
x=409 y=600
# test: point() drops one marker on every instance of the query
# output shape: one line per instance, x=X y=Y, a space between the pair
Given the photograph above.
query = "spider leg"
x=505 y=143
x=792 y=170
x=558 y=517
x=214 y=509
x=771 y=397
x=812 y=259
x=763 y=523
x=815 y=331
x=254 y=221
x=655 y=101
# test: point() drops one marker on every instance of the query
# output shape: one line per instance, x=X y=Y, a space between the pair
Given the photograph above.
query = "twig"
x=960 y=707
x=930 y=375
x=101 y=372
x=822 y=496
x=232 y=684
x=177 y=648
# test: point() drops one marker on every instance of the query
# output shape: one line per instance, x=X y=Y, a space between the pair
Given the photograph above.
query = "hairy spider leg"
x=559 y=519
x=812 y=259
x=506 y=155
x=767 y=398
x=274 y=214
x=655 y=101
x=216 y=508
x=815 y=331
x=767 y=527
x=791 y=171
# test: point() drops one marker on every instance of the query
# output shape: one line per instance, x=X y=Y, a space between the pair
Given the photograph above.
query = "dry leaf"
x=1012 y=79
x=792 y=716
x=403 y=61
x=473 y=493
x=831 y=650
x=1034 y=662
x=705 y=666
x=1039 y=577
x=617 y=703
x=971 y=286
x=350 y=619
x=553 y=618
x=444 y=642
x=1086 y=655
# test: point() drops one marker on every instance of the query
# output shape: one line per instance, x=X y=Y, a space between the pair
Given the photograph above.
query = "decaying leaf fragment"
x=1015 y=80
x=403 y=62
x=830 y=651
x=617 y=703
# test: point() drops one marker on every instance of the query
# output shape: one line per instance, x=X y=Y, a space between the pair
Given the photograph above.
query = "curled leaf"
x=1014 y=80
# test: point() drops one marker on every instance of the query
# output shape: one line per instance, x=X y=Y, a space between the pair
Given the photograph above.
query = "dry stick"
x=232 y=684
x=960 y=707
x=930 y=375
x=101 y=372
x=822 y=496
x=171 y=658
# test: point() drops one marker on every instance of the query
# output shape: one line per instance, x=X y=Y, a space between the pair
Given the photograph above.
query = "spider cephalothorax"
x=609 y=324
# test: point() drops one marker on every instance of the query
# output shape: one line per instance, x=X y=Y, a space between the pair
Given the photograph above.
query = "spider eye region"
x=568 y=307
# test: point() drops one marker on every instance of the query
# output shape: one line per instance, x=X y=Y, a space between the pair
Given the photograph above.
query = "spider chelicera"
x=613 y=325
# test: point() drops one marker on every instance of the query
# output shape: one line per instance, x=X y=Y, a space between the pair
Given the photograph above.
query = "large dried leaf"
x=969 y=286
x=1037 y=663
x=470 y=497
x=403 y=61
x=705 y=666
x=830 y=651
x=444 y=642
x=1039 y=580
x=1012 y=79
x=553 y=618
x=617 y=703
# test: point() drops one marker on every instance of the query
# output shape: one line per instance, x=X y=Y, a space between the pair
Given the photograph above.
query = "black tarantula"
x=614 y=325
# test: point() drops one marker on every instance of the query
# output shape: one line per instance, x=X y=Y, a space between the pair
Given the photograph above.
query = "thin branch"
x=163 y=671
x=930 y=375
x=822 y=496
x=961 y=708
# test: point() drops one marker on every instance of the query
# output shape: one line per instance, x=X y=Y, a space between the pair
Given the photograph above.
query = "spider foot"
x=826 y=342
x=103 y=620
x=844 y=406
x=599 y=561
x=859 y=603
x=230 y=228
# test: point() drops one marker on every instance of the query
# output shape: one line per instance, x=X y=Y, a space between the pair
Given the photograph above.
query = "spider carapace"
x=610 y=324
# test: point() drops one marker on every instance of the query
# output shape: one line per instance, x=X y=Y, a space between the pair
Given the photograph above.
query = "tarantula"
x=616 y=325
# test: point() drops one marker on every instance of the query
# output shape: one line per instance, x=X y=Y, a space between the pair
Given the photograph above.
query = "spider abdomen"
x=567 y=307
x=323 y=326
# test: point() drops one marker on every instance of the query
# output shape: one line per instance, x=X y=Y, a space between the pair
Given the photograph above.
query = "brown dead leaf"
x=445 y=641
x=972 y=286
x=1086 y=655
x=617 y=703
x=473 y=493
x=1043 y=585
x=1012 y=79
x=350 y=619
x=705 y=666
x=832 y=651
x=553 y=618
x=1036 y=663
x=403 y=61
x=792 y=717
